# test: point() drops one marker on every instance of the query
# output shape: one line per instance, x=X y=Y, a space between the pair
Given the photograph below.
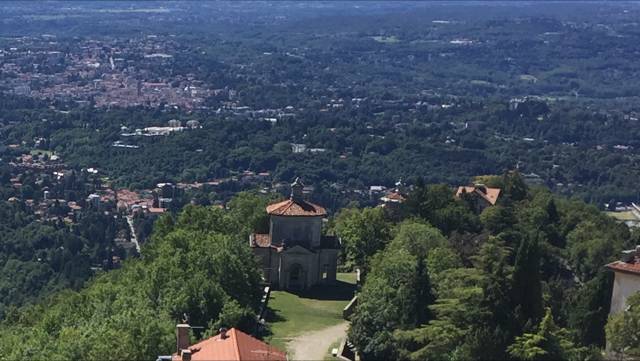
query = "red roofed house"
x=228 y=345
x=627 y=279
x=295 y=254
x=392 y=200
x=393 y=197
x=481 y=196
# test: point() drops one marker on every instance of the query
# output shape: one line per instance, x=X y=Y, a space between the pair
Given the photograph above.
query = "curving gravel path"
x=314 y=345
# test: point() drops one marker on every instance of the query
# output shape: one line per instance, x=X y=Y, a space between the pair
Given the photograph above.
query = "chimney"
x=296 y=190
x=182 y=337
x=481 y=187
x=629 y=256
x=223 y=333
x=185 y=354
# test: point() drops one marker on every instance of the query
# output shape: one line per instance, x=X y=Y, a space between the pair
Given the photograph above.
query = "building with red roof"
x=393 y=197
x=480 y=195
x=392 y=200
x=290 y=207
x=295 y=254
x=228 y=345
x=627 y=279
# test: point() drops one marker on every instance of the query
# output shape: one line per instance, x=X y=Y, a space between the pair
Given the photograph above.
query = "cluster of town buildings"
x=116 y=73
x=44 y=185
x=54 y=192
x=104 y=73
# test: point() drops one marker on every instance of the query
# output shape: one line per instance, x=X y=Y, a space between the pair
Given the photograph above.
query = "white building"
x=627 y=279
x=298 y=148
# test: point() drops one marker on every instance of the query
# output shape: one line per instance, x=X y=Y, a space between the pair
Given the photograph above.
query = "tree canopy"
x=622 y=329
x=522 y=280
x=198 y=266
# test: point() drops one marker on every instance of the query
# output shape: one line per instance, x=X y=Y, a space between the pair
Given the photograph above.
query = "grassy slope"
x=293 y=314
x=622 y=216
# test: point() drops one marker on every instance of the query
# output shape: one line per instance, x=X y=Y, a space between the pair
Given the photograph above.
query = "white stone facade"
x=624 y=286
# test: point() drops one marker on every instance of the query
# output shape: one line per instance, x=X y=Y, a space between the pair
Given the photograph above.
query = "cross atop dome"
x=296 y=205
x=400 y=187
x=296 y=190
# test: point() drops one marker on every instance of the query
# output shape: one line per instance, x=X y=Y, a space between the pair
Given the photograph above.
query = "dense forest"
x=198 y=265
x=447 y=145
x=522 y=280
x=42 y=255
x=40 y=259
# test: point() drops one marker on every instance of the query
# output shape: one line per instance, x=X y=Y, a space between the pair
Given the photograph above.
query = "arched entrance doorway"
x=296 y=276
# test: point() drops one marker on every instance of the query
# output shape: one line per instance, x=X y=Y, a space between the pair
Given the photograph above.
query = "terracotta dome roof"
x=293 y=208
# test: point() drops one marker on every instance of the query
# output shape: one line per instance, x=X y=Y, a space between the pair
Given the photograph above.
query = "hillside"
x=441 y=280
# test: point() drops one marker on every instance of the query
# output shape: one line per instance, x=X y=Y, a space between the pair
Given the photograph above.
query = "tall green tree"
x=548 y=342
x=514 y=186
x=622 y=330
x=589 y=309
x=527 y=284
x=456 y=312
x=437 y=205
x=396 y=295
x=493 y=261
x=418 y=238
x=497 y=218
x=363 y=232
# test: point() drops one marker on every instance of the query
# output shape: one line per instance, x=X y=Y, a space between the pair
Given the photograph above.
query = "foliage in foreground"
x=198 y=265
x=622 y=329
x=40 y=258
x=487 y=279
x=549 y=342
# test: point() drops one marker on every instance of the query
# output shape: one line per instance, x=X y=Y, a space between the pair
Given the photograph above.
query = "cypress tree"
x=527 y=287
x=424 y=293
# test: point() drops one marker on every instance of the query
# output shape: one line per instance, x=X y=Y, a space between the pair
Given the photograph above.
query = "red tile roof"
x=262 y=239
x=393 y=197
x=490 y=195
x=627 y=267
x=290 y=207
x=130 y=198
x=236 y=346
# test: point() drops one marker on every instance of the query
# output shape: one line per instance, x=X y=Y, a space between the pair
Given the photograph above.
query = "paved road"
x=133 y=233
x=314 y=345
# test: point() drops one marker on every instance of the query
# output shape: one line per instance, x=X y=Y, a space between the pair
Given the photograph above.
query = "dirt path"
x=314 y=345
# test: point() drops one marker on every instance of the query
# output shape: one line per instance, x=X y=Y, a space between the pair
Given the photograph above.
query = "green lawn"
x=40 y=151
x=291 y=314
x=347 y=277
x=622 y=216
x=386 y=39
